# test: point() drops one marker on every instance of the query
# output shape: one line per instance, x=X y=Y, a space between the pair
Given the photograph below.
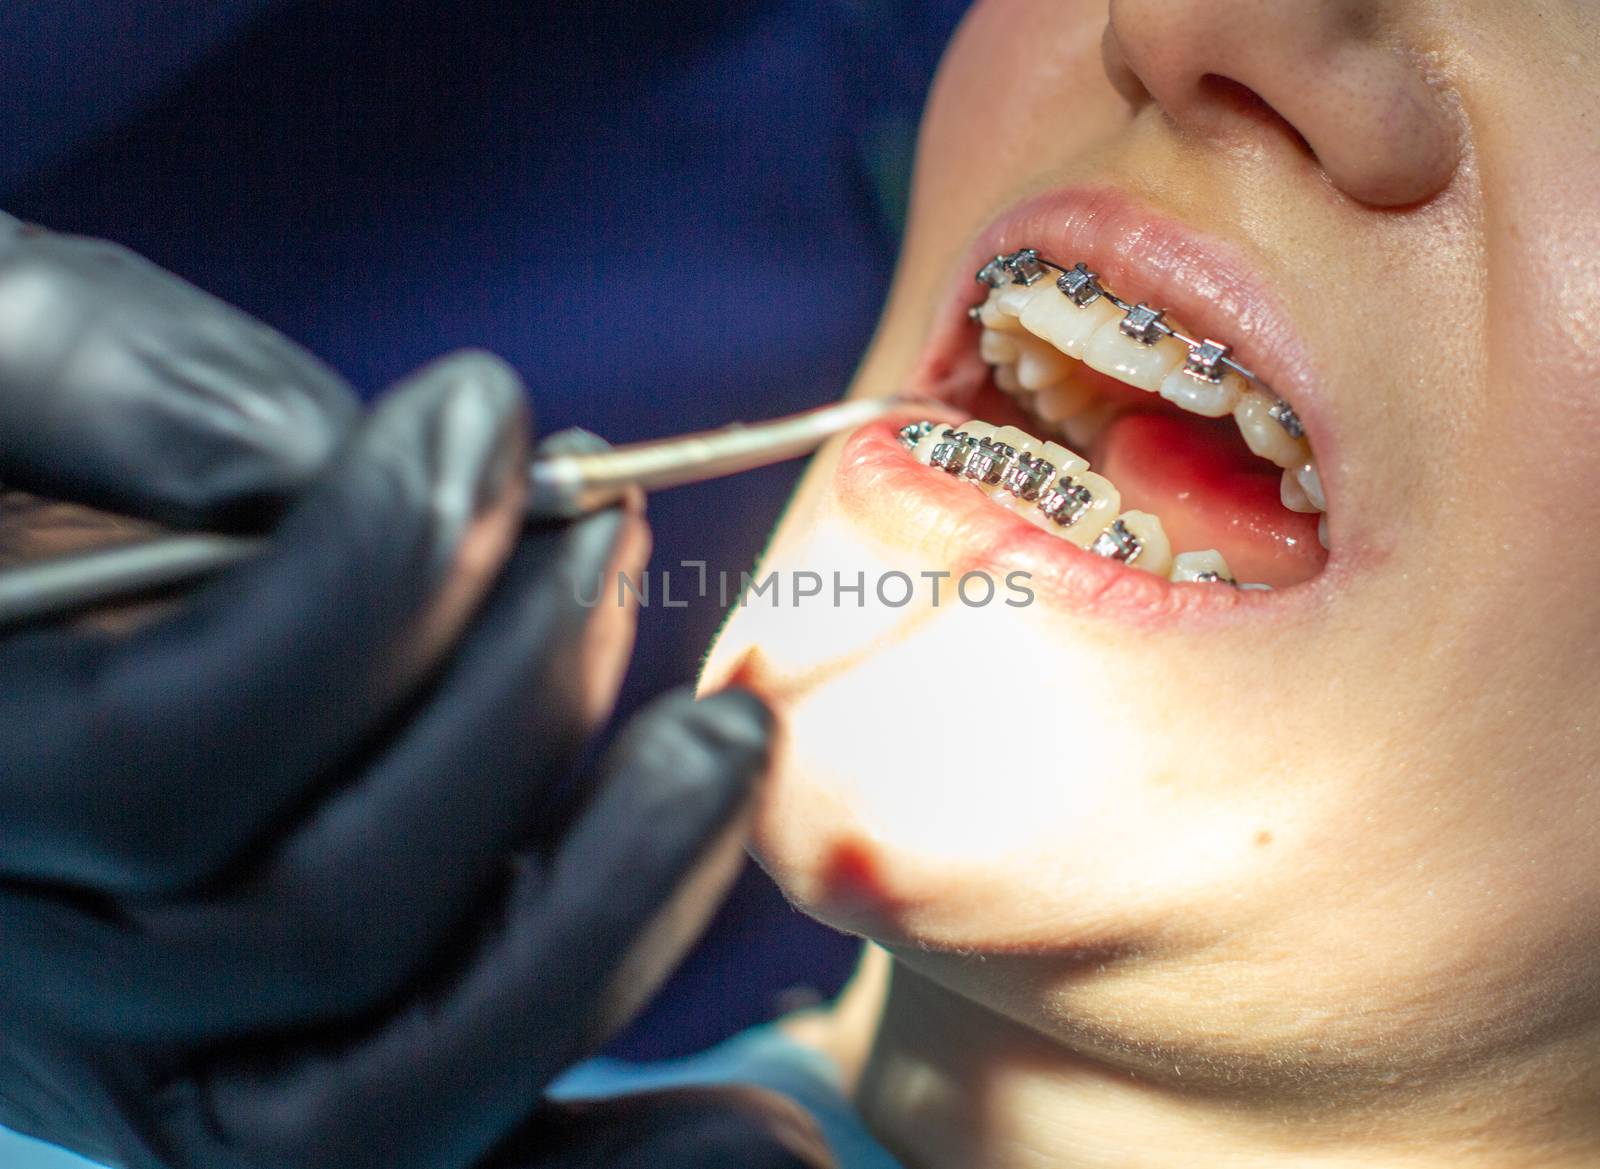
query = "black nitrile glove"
x=285 y=882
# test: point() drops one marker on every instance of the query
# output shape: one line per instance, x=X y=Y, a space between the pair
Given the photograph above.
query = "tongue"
x=1210 y=492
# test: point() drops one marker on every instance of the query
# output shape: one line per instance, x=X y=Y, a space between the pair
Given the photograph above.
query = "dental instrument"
x=560 y=487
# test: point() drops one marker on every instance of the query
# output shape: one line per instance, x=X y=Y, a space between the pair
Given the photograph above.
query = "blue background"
x=666 y=216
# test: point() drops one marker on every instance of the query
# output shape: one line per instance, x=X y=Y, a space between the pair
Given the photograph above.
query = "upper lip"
x=1141 y=255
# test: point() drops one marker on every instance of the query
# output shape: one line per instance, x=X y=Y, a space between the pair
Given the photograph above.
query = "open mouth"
x=1202 y=473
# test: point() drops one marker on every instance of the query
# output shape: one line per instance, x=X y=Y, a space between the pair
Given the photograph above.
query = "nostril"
x=1118 y=71
x=1364 y=105
x=1238 y=100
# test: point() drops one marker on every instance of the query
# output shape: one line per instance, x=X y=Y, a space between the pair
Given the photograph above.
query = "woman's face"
x=1344 y=829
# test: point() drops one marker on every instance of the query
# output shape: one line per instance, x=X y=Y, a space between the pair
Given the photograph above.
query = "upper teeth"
x=1034 y=328
x=1013 y=280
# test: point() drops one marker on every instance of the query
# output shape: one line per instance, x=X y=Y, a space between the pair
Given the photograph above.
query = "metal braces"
x=1032 y=478
x=1207 y=360
x=1118 y=543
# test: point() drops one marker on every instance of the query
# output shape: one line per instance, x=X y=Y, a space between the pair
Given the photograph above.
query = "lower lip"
x=878 y=485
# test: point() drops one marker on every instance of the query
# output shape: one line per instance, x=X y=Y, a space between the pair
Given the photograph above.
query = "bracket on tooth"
x=911 y=435
x=1285 y=416
x=1028 y=476
x=1143 y=324
x=1204 y=362
x=1079 y=285
x=1066 y=502
x=1213 y=578
x=1025 y=267
x=994 y=274
x=1117 y=543
x=988 y=461
x=951 y=452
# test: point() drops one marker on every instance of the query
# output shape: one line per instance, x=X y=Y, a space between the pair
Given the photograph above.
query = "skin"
x=1295 y=890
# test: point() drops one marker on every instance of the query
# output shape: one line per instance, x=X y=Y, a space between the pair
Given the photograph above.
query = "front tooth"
x=1207 y=399
x=997 y=348
x=1019 y=439
x=1263 y=433
x=1104 y=502
x=949 y=452
x=1113 y=352
x=1038 y=365
x=1191 y=566
x=993 y=317
x=954 y=463
x=1155 y=550
x=1029 y=475
x=1064 y=461
x=1011 y=299
x=1322 y=531
x=1294 y=496
x=923 y=451
x=987 y=466
x=1050 y=316
x=1311 y=483
x=1022 y=443
x=974 y=429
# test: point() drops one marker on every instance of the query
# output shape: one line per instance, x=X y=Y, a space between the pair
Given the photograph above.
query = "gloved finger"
x=346 y=911
x=731 y=1127
x=127 y=389
x=202 y=731
x=579 y=940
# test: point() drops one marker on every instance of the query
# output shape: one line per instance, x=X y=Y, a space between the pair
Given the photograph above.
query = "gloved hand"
x=286 y=876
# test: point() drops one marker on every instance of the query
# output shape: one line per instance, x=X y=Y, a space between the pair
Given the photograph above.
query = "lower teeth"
x=1063 y=495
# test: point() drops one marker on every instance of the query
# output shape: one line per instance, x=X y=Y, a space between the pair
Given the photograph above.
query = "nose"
x=1335 y=73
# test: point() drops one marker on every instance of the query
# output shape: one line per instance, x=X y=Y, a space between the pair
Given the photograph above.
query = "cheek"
x=1541 y=491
